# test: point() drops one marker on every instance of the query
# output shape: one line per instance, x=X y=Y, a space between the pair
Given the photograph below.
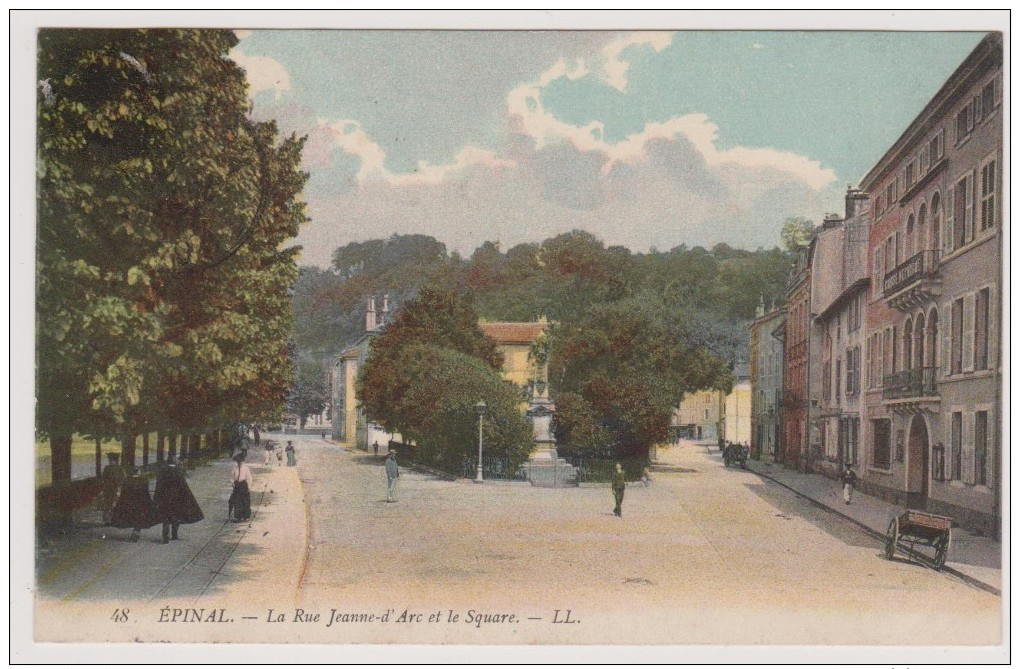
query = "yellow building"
x=515 y=341
x=709 y=415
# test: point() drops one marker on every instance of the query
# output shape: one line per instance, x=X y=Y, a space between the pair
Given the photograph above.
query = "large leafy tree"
x=162 y=287
x=426 y=372
x=631 y=362
x=309 y=393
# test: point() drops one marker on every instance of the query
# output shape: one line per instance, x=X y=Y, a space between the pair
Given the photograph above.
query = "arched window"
x=908 y=344
x=936 y=222
x=933 y=337
x=908 y=251
x=919 y=341
x=922 y=228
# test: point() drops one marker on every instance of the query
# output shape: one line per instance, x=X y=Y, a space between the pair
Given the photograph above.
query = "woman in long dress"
x=240 y=497
x=134 y=507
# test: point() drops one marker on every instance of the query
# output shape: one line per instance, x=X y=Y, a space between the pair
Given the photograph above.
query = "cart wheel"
x=941 y=552
x=892 y=535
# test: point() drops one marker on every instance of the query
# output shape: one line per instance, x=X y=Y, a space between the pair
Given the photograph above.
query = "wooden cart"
x=913 y=529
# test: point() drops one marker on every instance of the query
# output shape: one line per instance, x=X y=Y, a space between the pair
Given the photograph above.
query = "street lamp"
x=480 y=409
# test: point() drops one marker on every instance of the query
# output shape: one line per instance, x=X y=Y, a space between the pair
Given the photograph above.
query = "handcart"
x=912 y=529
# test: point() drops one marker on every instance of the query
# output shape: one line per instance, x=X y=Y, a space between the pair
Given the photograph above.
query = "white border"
x=21 y=254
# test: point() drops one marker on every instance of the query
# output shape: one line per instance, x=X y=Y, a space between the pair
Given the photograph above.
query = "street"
x=705 y=554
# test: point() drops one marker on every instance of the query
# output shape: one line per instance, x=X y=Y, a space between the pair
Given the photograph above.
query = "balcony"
x=911 y=384
x=914 y=282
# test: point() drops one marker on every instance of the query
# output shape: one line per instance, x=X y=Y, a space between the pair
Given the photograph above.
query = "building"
x=797 y=362
x=515 y=342
x=698 y=416
x=350 y=427
x=766 y=371
x=840 y=296
x=933 y=366
x=735 y=419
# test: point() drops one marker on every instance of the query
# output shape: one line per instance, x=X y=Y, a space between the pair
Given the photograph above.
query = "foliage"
x=578 y=427
x=309 y=393
x=426 y=372
x=796 y=233
x=162 y=287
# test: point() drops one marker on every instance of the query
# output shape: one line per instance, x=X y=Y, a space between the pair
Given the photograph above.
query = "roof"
x=844 y=297
x=513 y=333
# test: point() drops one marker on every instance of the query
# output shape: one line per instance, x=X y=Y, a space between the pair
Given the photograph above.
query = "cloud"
x=756 y=45
x=351 y=138
x=242 y=34
x=616 y=68
x=264 y=73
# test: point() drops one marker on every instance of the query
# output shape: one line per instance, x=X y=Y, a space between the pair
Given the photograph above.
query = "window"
x=935 y=147
x=911 y=173
x=890 y=193
x=956 y=447
x=879 y=275
x=826 y=380
x=878 y=206
x=981 y=448
x=988 y=99
x=881 y=431
x=964 y=122
x=963 y=212
x=981 y=322
x=988 y=195
x=839 y=377
x=956 y=334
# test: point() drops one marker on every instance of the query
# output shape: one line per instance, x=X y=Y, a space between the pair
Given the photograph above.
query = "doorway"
x=918 y=471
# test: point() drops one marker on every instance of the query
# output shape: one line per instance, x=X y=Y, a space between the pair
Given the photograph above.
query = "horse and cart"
x=913 y=529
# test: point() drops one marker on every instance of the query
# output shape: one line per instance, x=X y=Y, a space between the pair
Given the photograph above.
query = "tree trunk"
x=128 y=451
x=99 y=457
x=171 y=447
x=160 y=443
x=145 y=449
x=60 y=457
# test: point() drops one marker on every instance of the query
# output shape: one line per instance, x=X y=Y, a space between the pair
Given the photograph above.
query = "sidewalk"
x=215 y=558
x=975 y=559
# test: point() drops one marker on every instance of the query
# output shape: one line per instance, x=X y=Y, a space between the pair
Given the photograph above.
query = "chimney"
x=384 y=316
x=855 y=199
x=370 y=315
x=831 y=221
x=760 y=311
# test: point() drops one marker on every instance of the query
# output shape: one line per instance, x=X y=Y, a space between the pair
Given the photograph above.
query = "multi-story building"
x=932 y=353
x=735 y=419
x=839 y=296
x=697 y=417
x=797 y=354
x=766 y=369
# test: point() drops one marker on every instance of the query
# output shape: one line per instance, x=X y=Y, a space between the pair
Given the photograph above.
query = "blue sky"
x=647 y=139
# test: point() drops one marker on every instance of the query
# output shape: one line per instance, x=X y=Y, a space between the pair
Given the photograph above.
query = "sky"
x=647 y=139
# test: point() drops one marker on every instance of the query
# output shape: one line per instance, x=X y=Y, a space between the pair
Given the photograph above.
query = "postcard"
x=528 y=336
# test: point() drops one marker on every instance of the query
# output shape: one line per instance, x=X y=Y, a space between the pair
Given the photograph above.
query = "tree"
x=631 y=362
x=163 y=290
x=309 y=394
x=796 y=233
x=428 y=369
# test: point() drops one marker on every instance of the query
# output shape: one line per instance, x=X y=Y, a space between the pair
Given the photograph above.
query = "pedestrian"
x=392 y=474
x=291 y=455
x=619 y=485
x=241 y=480
x=269 y=453
x=113 y=477
x=646 y=477
x=175 y=504
x=134 y=507
x=375 y=449
x=258 y=437
x=849 y=479
x=279 y=457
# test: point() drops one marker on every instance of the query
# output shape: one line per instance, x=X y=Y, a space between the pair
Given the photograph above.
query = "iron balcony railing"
x=917 y=382
x=923 y=265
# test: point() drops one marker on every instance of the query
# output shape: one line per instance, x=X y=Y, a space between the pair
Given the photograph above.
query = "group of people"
x=128 y=505
x=291 y=455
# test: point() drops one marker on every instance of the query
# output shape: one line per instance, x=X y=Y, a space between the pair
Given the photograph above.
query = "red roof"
x=513 y=333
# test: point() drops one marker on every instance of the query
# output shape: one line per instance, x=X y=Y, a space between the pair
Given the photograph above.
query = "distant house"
x=515 y=341
x=766 y=371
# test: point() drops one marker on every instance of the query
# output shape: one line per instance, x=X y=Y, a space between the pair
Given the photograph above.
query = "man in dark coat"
x=173 y=500
x=619 y=485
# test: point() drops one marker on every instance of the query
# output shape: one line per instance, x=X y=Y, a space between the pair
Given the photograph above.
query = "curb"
x=970 y=580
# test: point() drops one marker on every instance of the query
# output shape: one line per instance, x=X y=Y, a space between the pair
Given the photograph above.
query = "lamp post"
x=480 y=409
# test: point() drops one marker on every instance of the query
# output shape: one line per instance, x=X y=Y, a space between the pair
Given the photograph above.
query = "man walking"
x=392 y=474
x=173 y=500
x=849 y=478
x=619 y=485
